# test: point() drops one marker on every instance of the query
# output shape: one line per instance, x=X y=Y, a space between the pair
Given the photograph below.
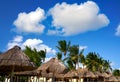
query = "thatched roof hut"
x=26 y=73
x=54 y=66
x=71 y=74
x=112 y=79
x=118 y=78
x=15 y=60
x=83 y=73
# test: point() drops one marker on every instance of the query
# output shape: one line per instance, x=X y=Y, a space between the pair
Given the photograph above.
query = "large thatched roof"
x=84 y=73
x=15 y=59
x=112 y=79
x=53 y=66
x=71 y=74
x=26 y=73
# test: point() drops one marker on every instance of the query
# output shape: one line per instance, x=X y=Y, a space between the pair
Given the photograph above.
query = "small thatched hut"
x=81 y=74
x=14 y=60
x=112 y=79
x=53 y=68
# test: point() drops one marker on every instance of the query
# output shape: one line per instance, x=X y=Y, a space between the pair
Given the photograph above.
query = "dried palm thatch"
x=71 y=74
x=106 y=75
x=118 y=78
x=83 y=73
x=53 y=66
x=15 y=60
x=112 y=79
x=103 y=75
x=26 y=73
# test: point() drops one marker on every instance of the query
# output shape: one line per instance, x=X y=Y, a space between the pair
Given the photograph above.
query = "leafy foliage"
x=63 y=46
x=116 y=72
x=35 y=56
x=96 y=63
x=73 y=56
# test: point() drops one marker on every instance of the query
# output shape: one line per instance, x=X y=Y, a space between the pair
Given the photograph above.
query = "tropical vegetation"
x=38 y=57
x=116 y=72
x=74 y=56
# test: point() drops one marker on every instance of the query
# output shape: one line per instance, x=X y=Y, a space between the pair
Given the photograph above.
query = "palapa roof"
x=71 y=74
x=112 y=79
x=104 y=74
x=53 y=66
x=15 y=59
x=84 y=73
x=26 y=73
x=118 y=78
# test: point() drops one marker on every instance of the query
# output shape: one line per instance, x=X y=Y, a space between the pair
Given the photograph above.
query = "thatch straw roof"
x=50 y=75
x=104 y=75
x=71 y=74
x=112 y=79
x=84 y=73
x=54 y=66
x=15 y=59
x=118 y=78
x=26 y=73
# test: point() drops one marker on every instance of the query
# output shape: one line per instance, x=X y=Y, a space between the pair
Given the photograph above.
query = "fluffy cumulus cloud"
x=30 y=22
x=33 y=43
x=118 y=31
x=71 y=19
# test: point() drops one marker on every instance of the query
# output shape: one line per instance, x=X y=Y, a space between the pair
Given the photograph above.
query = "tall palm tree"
x=96 y=63
x=82 y=58
x=35 y=56
x=92 y=61
x=116 y=72
x=42 y=54
x=107 y=66
x=59 y=55
x=76 y=55
x=63 y=46
x=70 y=64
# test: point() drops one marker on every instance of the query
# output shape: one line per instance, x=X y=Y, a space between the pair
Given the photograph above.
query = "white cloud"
x=82 y=47
x=118 y=31
x=30 y=22
x=16 y=41
x=47 y=59
x=71 y=19
x=33 y=43
x=38 y=44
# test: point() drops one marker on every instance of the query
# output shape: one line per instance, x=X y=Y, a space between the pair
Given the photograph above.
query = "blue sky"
x=93 y=24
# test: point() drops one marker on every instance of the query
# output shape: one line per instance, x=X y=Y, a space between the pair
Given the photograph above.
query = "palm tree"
x=70 y=64
x=76 y=55
x=82 y=58
x=42 y=54
x=92 y=61
x=35 y=56
x=63 y=46
x=59 y=56
x=96 y=63
x=106 y=66
x=116 y=72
